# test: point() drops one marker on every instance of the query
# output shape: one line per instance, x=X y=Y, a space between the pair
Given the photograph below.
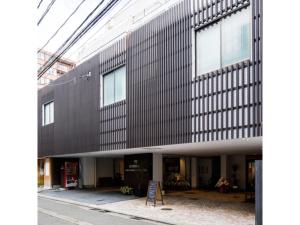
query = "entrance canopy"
x=212 y=148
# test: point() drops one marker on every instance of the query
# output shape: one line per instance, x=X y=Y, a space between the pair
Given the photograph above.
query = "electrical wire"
x=39 y=4
x=62 y=51
x=46 y=67
x=61 y=26
x=66 y=82
x=46 y=11
x=119 y=11
x=102 y=46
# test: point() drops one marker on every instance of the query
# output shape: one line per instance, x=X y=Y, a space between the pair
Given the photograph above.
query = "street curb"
x=102 y=208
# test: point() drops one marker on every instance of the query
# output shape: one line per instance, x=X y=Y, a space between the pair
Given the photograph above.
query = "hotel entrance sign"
x=154 y=192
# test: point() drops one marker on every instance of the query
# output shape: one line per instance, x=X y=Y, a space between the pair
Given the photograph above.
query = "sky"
x=123 y=16
x=58 y=13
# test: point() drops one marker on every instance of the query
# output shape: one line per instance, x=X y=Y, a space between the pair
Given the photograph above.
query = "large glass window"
x=114 y=86
x=208 y=49
x=224 y=43
x=48 y=113
x=236 y=38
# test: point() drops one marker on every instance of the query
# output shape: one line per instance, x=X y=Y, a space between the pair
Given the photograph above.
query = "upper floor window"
x=48 y=113
x=114 y=86
x=224 y=43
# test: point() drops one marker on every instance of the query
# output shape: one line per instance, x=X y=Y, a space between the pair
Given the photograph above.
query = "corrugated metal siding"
x=76 y=116
x=45 y=133
x=112 y=126
x=227 y=103
x=164 y=105
x=206 y=12
x=159 y=80
x=77 y=125
x=76 y=110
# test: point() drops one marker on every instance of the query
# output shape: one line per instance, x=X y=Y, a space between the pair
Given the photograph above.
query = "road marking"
x=63 y=217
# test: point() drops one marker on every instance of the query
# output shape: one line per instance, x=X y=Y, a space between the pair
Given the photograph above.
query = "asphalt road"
x=52 y=212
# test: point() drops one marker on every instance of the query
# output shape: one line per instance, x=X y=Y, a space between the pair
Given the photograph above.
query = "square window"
x=114 y=86
x=48 y=113
x=224 y=43
x=208 y=49
x=236 y=38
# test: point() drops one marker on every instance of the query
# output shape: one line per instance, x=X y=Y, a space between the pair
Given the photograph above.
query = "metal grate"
x=167 y=209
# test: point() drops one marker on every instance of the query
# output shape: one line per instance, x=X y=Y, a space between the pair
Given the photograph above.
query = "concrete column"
x=182 y=168
x=48 y=173
x=194 y=172
x=224 y=171
x=158 y=167
x=87 y=173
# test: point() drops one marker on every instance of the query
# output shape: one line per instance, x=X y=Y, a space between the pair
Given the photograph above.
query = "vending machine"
x=71 y=174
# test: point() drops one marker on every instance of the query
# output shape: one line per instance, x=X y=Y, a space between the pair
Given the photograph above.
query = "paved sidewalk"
x=94 y=197
x=190 y=208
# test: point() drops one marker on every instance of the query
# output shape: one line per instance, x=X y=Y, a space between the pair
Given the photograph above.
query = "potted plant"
x=126 y=190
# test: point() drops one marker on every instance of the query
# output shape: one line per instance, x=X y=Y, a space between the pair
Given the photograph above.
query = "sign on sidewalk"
x=154 y=192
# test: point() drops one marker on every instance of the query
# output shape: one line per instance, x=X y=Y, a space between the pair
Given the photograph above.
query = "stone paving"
x=187 y=208
x=192 y=210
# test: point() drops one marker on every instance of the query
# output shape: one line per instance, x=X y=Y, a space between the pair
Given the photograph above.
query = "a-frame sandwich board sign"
x=154 y=192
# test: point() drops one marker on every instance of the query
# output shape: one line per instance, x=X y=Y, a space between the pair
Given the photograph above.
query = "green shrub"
x=126 y=190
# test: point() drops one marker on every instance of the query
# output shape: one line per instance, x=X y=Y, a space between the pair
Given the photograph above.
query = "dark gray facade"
x=164 y=103
x=159 y=72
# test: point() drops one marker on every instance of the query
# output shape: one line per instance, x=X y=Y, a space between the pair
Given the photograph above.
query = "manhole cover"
x=166 y=209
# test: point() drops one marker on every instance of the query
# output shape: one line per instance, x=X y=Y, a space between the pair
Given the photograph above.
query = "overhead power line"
x=61 y=26
x=46 y=66
x=46 y=11
x=39 y=4
x=62 y=50
x=126 y=6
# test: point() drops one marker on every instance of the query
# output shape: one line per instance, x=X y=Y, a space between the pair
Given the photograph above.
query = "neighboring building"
x=61 y=67
x=179 y=96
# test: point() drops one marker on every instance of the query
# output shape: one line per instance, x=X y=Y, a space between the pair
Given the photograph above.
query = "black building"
x=185 y=88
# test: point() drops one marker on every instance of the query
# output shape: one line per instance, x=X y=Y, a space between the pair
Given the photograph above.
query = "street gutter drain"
x=99 y=200
x=193 y=198
x=100 y=210
x=166 y=209
x=136 y=218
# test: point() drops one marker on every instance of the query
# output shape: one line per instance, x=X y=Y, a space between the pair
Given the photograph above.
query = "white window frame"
x=43 y=113
x=102 y=85
x=221 y=64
